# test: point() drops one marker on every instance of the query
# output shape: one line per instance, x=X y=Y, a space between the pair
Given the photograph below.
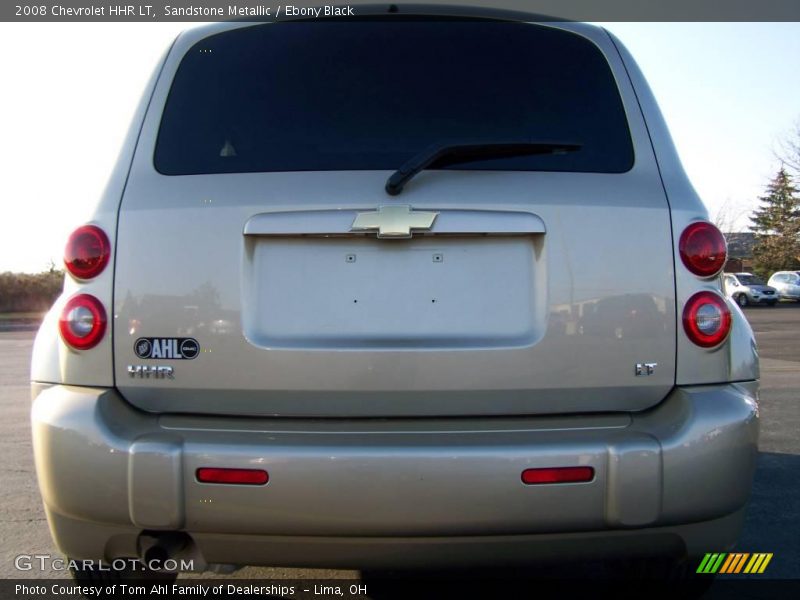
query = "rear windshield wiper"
x=441 y=155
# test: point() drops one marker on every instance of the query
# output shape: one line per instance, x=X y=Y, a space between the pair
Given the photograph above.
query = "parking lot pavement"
x=773 y=516
x=777 y=330
x=23 y=528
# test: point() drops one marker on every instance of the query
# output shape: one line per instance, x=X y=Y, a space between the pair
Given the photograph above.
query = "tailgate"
x=261 y=269
x=542 y=304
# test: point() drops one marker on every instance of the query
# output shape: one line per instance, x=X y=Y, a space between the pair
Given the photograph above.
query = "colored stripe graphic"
x=717 y=564
x=734 y=563
x=740 y=564
x=729 y=563
x=711 y=563
x=751 y=564
x=702 y=567
x=758 y=563
x=765 y=563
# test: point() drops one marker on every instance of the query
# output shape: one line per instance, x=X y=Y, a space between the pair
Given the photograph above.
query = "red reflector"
x=235 y=476
x=558 y=475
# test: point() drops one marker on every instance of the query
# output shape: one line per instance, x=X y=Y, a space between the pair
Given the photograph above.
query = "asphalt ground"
x=773 y=515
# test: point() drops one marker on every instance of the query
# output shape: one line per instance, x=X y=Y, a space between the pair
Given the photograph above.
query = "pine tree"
x=776 y=224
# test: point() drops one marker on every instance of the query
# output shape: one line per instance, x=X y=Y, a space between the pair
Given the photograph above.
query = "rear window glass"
x=367 y=95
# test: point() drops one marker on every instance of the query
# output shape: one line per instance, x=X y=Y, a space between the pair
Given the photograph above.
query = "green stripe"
x=710 y=564
x=701 y=568
x=718 y=564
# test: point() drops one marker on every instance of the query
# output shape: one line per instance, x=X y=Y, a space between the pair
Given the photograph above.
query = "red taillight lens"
x=82 y=322
x=703 y=249
x=234 y=476
x=558 y=475
x=707 y=319
x=87 y=253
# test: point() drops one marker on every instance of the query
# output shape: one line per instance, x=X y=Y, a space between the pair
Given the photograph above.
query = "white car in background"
x=746 y=289
x=787 y=283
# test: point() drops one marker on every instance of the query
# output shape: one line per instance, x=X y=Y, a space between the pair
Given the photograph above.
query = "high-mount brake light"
x=82 y=322
x=87 y=253
x=703 y=249
x=707 y=319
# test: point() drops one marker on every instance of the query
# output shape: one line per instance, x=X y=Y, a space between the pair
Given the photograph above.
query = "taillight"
x=82 y=322
x=87 y=253
x=706 y=319
x=703 y=249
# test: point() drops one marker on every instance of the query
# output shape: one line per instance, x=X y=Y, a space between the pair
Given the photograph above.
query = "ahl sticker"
x=172 y=348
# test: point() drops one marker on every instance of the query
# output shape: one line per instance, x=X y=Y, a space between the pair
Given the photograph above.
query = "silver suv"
x=370 y=294
x=787 y=283
x=746 y=288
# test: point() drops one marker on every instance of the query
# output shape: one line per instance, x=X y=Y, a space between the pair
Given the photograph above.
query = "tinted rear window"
x=321 y=96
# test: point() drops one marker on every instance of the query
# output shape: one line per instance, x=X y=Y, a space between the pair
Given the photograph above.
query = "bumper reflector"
x=233 y=476
x=558 y=475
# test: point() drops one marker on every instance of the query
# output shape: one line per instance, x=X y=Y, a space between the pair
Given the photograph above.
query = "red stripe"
x=557 y=475
x=235 y=476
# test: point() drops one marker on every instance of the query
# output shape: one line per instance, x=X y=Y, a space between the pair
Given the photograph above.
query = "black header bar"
x=269 y=10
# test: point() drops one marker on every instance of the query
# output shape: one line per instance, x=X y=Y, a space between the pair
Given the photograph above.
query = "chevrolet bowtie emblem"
x=394 y=221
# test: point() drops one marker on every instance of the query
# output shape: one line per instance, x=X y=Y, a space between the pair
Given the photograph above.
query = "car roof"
x=371 y=10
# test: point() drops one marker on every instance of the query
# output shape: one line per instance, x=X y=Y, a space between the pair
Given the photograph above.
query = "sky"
x=729 y=93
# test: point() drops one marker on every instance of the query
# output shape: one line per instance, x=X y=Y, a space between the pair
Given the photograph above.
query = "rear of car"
x=787 y=283
x=521 y=352
x=746 y=289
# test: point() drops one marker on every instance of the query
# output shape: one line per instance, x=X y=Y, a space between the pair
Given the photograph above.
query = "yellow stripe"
x=765 y=563
x=741 y=562
x=727 y=563
x=757 y=564
x=751 y=563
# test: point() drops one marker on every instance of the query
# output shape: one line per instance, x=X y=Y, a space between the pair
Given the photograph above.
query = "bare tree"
x=730 y=216
x=788 y=151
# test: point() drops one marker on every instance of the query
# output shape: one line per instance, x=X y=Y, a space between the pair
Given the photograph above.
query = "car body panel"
x=52 y=360
x=694 y=365
x=404 y=477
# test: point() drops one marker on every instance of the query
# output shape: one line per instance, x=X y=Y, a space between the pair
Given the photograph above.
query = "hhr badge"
x=147 y=372
x=394 y=221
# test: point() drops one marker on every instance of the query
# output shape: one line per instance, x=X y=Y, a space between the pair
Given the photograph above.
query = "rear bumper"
x=365 y=493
